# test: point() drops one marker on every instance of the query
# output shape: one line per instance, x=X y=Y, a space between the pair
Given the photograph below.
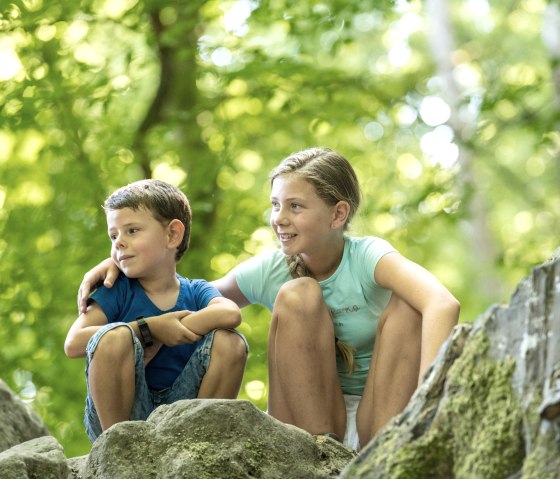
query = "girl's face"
x=301 y=220
x=139 y=242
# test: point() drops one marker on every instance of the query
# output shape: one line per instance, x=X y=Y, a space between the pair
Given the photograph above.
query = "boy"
x=154 y=337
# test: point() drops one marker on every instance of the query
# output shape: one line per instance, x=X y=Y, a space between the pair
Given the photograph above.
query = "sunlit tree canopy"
x=449 y=112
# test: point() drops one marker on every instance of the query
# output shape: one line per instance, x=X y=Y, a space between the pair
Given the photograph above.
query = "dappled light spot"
x=262 y=239
x=434 y=111
x=244 y=180
x=438 y=147
x=523 y=222
x=409 y=166
x=519 y=75
x=505 y=110
x=89 y=55
x=405 y=115
x=10 y=65
x=225 y=178
x=30 y=193
x=170 y=173
x=255 y=390
x=46 y=32
x=373 y=131
x=535 y=166
x=30 y=145
x=75 y=32
x=223 y=263
x=115 y=9
x=7 y=144
x=384 y=223
x=48 y=241
x=221 y=57
x=249 y=160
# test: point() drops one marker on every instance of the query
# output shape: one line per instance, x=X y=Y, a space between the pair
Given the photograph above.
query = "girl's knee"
x=401 y=317
x=300 y=294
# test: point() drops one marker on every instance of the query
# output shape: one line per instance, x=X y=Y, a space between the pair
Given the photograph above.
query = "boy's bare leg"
x=227 y=364
x=112 y=378
x=304 y=388
x=394 y=369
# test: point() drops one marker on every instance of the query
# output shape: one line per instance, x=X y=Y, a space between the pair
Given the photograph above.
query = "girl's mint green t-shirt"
x=356 y=301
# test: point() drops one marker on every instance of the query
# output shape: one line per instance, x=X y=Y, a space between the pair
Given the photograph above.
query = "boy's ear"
x=340 y=214
x=175 y=231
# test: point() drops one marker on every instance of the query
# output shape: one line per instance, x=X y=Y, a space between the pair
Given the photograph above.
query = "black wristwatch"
x=145 y=333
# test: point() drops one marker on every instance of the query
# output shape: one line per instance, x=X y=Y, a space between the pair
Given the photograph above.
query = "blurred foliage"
x=210 y=95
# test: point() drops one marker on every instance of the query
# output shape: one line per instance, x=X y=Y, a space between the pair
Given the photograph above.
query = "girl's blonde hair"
x=334 y=180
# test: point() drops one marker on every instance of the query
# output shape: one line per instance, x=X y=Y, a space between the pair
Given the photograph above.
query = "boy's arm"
x=85 y=326
x=220 y=313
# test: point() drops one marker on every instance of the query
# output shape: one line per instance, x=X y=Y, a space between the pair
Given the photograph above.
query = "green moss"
x=543 y=462
x=483 y=414
x=476 y=433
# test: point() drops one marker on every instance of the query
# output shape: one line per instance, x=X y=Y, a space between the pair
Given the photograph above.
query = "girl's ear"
x=340 y=214
x=175 y=232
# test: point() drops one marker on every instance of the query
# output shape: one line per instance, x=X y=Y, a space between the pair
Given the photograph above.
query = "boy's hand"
x=168 y=329
x=105 y=272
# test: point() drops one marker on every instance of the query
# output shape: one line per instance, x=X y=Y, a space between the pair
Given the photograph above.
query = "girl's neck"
x=323 y=265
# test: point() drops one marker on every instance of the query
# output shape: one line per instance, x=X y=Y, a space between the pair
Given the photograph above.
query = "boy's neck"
x=162 y=291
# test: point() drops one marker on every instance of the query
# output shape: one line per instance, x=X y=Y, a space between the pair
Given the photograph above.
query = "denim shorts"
x=186 y=385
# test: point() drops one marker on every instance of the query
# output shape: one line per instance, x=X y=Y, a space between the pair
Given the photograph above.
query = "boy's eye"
x=113 y=237
x=133 y=230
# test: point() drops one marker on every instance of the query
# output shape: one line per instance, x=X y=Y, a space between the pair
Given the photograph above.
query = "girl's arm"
x=423 y=291
x=85 y=326
x=230 y=290
x=105 y=272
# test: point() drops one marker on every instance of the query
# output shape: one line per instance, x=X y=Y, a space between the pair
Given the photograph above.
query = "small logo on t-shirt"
x=347 y=309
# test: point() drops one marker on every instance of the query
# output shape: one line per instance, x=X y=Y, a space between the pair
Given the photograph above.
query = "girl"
x=387 y=315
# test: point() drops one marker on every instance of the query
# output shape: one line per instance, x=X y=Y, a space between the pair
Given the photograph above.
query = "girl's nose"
x=279 y=217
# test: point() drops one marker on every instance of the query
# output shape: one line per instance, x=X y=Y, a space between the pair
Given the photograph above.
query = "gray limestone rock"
x=18 y=422
x=490 y=405
x=212 y=439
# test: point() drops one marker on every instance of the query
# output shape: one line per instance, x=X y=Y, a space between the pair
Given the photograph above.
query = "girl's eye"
x=275 y=205
x=296 y=206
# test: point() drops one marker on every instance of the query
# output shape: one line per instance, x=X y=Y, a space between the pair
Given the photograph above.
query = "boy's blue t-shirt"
x=127 y=300
x=355 y=300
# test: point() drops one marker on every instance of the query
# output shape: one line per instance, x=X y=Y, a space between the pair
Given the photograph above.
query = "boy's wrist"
x=145 y=333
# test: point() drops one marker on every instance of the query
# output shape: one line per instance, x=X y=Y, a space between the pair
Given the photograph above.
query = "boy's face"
x=140 y=243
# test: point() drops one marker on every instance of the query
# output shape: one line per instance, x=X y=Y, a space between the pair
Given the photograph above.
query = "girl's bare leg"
x=304 y=389
x=227 y=364
x=111 y=377
x=394 y=369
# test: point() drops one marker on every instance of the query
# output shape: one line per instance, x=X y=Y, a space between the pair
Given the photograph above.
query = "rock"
x=212 y=439
x=38 y=458
x=18 y=422
x=490 y=404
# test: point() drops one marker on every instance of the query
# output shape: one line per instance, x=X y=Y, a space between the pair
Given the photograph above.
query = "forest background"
x=448 y=110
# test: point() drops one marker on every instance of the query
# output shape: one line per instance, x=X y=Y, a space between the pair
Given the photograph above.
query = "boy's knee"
x=116 y=342
x=230 y=345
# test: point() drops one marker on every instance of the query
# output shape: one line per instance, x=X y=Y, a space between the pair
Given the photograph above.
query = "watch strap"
x=145 y=333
